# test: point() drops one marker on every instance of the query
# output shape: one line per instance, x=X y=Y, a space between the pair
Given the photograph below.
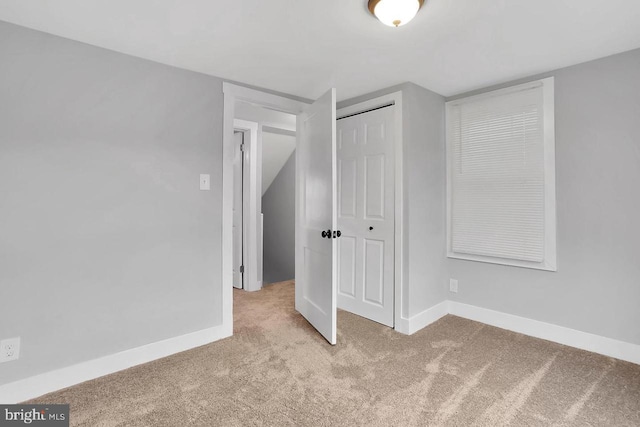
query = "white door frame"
x=394 y=98
x=233 y=93
x=251 y=206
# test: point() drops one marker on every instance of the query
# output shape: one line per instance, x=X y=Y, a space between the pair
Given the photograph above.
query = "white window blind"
x=501 y=204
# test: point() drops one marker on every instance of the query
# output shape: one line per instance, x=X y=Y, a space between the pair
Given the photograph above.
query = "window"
x=501 y=177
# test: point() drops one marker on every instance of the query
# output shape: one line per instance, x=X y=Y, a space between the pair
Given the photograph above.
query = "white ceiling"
x=303 y=47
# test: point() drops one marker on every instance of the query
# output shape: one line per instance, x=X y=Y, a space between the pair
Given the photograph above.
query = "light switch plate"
x=205 y=182
x=453 y=285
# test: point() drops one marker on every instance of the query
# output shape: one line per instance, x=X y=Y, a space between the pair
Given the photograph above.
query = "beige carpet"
x=277 y=371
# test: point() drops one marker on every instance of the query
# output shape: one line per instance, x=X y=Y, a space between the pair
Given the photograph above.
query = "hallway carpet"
x=277 y=371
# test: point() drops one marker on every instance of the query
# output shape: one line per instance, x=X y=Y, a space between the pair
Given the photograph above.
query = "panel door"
x=366 y=217
x=316 y=215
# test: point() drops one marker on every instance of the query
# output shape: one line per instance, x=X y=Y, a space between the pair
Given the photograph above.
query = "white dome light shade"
x=395 y=13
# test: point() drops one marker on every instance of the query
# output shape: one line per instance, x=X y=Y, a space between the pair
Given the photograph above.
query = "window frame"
x=549 y=262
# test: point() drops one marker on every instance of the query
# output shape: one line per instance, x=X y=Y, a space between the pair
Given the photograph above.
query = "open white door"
x=316 y=215
x=238 y=220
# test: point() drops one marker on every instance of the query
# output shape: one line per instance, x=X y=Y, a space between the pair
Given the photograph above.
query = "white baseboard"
x=425 y=318
x=48 y=382
x=534 y=328
x=547 y=331
x=255 y=288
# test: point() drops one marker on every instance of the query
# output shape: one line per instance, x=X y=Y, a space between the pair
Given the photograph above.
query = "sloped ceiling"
x=276 y=150
x=303 y=47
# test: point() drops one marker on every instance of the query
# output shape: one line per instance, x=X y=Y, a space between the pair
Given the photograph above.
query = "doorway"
x=318 y=128
x=264 y=196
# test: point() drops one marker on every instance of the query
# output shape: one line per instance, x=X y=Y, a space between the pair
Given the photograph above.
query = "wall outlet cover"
x=9 y=349
x=453 y=285
x=205 y=182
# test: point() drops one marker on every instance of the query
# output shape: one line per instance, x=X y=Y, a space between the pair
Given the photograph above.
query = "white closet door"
x=366 y=214
x=316 y=215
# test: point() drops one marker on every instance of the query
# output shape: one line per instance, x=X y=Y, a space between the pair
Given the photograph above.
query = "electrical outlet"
x=453 y=285
x=205 y=182
x=9 y=349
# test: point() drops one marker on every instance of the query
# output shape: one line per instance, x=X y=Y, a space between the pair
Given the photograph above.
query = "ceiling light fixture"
x=395 y=13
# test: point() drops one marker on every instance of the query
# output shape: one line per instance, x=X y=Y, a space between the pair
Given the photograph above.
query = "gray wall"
x=424 y=169
x=278 y=207
x=597 y=286
x=424 y=196
x=106 y=242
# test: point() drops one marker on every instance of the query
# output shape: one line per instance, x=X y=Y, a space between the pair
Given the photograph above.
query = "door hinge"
x=242 y=147
x=242 y=269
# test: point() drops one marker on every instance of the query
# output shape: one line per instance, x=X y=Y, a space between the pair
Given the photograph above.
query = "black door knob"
x=370 y=228
x=339 y=233
x=324 y=234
